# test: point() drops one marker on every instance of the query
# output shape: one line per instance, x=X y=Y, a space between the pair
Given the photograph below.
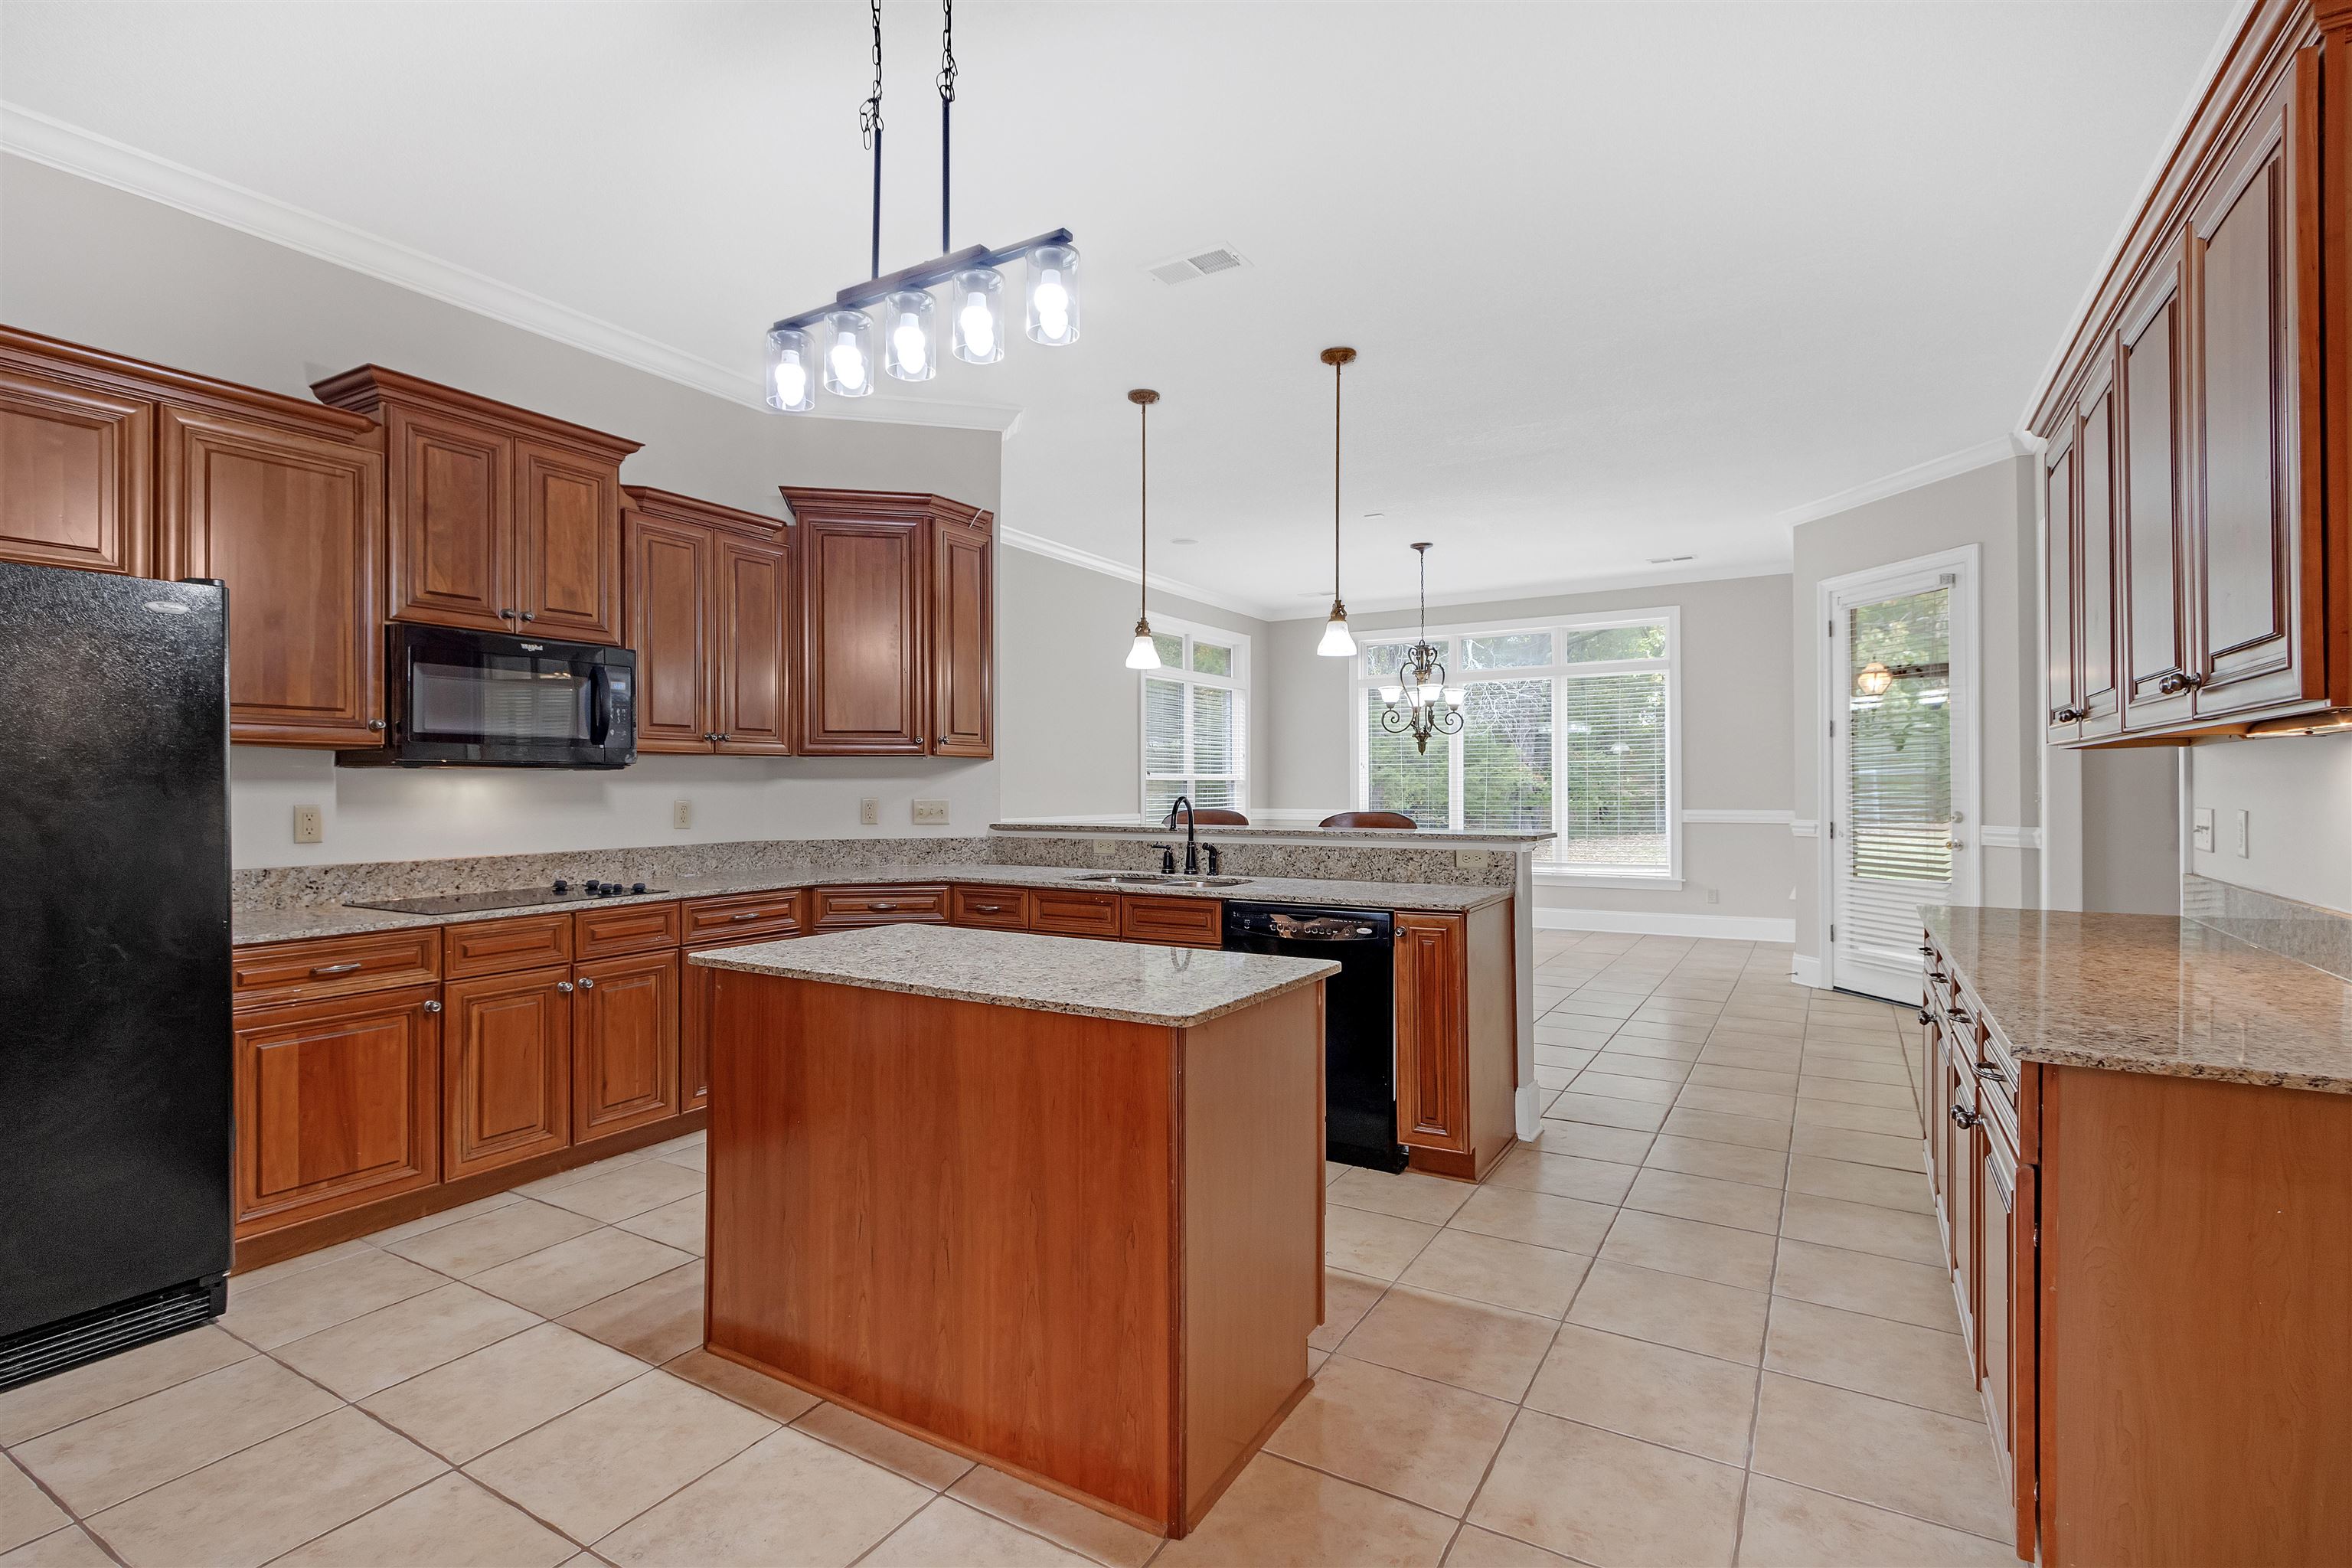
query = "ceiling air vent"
x=1669 y=559
x=1184 y=268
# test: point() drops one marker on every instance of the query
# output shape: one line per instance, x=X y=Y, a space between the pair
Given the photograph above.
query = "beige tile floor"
x=1698 y=1321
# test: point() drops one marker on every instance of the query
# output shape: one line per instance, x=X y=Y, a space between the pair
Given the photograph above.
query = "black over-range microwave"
x=485 y=700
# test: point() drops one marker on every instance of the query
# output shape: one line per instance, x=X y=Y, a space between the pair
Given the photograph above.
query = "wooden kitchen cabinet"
x=2199 y=511
x=895 y=599
x=624 y=1043
x=881 y=903
x=508 y=1062
x=76 y=466
x=499 y=519
x=708 y=591
x=337 y=1104
x=1457 y=1060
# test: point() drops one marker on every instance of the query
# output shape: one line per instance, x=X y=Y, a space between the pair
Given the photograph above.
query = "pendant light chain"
x=947 y=85
x=869 y=129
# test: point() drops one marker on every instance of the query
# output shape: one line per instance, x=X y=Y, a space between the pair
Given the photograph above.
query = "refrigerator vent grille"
x=57 y=1346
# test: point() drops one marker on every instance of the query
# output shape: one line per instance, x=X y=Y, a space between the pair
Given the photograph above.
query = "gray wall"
x=2297 y=794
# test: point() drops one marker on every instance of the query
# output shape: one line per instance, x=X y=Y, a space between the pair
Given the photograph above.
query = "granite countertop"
x=1129 y=981
x=1156 y=828
x=252 y=926
x=2150 y=994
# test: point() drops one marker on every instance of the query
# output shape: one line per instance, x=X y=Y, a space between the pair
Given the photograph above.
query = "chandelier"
x=846 y=330
x=1430 y=707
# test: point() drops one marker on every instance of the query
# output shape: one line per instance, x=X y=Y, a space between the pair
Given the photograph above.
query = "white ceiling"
x=1629 y=280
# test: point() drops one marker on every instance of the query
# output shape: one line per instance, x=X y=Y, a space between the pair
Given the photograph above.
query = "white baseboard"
x=1528 y=1108
x=1639 y=922
x=1805 y=971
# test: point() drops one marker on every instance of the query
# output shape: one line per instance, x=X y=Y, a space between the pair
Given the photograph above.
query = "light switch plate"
x=681 y=814
x=932 y=812
x=309 y=825
x=869 y=811
x=2244 y=831
x=2200 y=832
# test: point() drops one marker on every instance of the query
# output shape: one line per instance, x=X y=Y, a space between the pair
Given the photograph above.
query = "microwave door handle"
x=600 y=704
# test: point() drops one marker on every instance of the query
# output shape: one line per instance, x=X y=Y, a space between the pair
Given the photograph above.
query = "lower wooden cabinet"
x=508 y=1056
x=839 y=909
x=1456 y=1028
x=624 y=1043
x=338 y=1102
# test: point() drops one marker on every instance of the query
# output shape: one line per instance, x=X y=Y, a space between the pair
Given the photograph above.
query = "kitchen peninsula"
x=1054 y=1204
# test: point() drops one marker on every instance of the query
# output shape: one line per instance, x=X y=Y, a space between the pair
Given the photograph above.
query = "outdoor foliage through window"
x=1196 y=723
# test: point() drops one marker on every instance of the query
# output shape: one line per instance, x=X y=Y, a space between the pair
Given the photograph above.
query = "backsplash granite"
x=2309 y=934
x=1318 y=862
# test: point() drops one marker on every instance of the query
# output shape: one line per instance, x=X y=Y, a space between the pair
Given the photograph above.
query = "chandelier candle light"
x=1145 y=653
x=1336 y=642
x=844 y=329
x=1430 y=707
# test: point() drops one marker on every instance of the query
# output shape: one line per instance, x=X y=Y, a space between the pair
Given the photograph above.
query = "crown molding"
x=1071 y=555
x=1984 y=454
x=44 y=139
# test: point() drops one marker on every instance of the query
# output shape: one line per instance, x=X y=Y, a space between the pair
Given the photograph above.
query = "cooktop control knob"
x=637 y=887
x=561 y=886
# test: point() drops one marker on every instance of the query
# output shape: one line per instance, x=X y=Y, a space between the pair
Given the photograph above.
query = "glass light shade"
x=1338 y=642
x=1873 y=679
x=1054 y=295
x=976 y=311
x=1453 y=696
x=1145 y=654
x=792 y=371
x=909 y=341
x=849 y=353
x=1391 y=694
x=1428 y=693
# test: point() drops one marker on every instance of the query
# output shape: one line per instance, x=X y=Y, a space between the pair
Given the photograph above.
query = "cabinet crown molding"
x=677 y=507
x=118 y=374
x=366 y=389
x=882 y=506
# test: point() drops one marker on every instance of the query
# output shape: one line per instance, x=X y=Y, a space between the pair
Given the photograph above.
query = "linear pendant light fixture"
x=1337 y=641
x=1145 y=653
x=910 y=326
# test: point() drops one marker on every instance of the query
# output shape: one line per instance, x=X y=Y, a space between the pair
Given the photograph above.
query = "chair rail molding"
x=1805 y=827
x=1709 y=815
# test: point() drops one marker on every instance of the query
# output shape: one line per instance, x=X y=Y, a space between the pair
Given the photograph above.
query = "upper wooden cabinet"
x=895 y=624
x=77 y=463
x=2198 y=553
x=498 y=518
x=708 y=593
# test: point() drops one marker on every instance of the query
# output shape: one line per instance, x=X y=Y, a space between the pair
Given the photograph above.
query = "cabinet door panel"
x=1996 y=1223
x=294 y=525
x=753 y=587
x=624 y=1054
x=508 y=1060
x=962 y=639
x=669 y=593
x=74 y=476
x=2060 y=588
x=452 y=521
x=2153 y=516
x=862 y=635
x=336 y=1105
x=2095 y=547
x=567 y=545
x=1433 y=1048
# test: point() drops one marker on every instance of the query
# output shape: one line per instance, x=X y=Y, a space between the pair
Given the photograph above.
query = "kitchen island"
x=1054 y=1204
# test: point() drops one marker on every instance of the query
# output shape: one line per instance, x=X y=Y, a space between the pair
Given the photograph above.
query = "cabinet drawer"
x=500 y=947
x=334 y=966
x=1178 y=922
x=1075 y=914
x=740 y=917
x=631 y=928
x=832 y=908
x=1008 y=908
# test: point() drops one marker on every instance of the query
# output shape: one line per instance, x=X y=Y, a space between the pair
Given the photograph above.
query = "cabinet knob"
x=433 y=1006
x=722 y=737
x=1926 y=1016
x=564 y=986
x=1963 y=1118
x=529 y=616
x=376 y=725
x=506 y=615
x=2068 y=716
x=586 y=984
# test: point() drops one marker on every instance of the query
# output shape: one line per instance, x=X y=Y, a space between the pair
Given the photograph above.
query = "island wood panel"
x=508 y=1062
x=75 y=474
x=2196 y=1320
x=624 y=1044
x=669 y=604
x=498 y=947
x=963 y=614
x=959 y=1219
x=336 y=1100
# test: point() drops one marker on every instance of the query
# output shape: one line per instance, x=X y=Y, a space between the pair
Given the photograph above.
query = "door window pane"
x=1899 y=752
x=1398 y=778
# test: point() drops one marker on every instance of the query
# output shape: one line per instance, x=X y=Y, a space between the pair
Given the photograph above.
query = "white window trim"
x=1239 y=681
x=1667 y=880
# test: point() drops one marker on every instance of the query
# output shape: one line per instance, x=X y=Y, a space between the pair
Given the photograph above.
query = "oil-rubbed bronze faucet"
x=1191 y=835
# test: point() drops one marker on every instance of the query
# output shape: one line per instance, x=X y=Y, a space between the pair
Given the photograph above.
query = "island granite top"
x=1132 y=983
x=2150 y=994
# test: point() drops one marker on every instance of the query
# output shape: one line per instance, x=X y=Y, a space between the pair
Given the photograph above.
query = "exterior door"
x=74 y=476
x=962 y=616
x=752 y=587
x=669 y=625
x=1899 y=693
x=295 y=526
x=862 y=687
x=508 y=1060
x=567 y=551
x=337 y=1104
x=2153 y=585
x=452 y=521
x=624 y=1054
x=1433 y=1050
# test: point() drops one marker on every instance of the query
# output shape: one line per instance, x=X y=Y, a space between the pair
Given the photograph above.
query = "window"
x=1568 y=727
x=1196 y=718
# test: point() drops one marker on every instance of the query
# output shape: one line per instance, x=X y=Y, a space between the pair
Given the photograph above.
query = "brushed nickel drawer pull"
x=326 y=969
x=990 y=909
x=745 y=915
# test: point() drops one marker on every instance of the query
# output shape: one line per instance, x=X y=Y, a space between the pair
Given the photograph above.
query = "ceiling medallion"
x=909 y=327
x=1430 y=707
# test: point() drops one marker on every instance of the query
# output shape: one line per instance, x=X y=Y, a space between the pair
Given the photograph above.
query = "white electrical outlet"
x=1714 y=895
x=932 y=812
x=1469 y=860
x=2202 y=834
x=2244 y=831
x=869 y=811
x=1106 y=849
x=681 y=814
x=309 y=825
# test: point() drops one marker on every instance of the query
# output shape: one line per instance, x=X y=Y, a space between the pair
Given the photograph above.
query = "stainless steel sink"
x=1162 y=879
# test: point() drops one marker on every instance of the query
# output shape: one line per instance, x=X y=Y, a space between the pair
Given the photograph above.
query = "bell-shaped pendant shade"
x=1338 y=641
x=1145 y=653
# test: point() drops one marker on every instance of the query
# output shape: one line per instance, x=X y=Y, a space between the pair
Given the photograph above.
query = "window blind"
x=1613 y=771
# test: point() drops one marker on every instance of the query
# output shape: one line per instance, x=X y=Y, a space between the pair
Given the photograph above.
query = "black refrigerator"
x=115 y=1116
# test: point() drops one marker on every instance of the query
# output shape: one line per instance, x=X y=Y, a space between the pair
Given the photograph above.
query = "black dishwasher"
x=1359 y=1017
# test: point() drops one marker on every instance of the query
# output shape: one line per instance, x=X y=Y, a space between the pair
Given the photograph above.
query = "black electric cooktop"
x=563 y=893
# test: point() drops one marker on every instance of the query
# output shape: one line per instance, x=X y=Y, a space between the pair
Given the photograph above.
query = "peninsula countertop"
x=2150 y=994
x=1129 y=981
x=1309 y=831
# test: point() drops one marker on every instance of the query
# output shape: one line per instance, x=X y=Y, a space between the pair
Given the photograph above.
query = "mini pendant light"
x=1145 y=654
x=1337 y=642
